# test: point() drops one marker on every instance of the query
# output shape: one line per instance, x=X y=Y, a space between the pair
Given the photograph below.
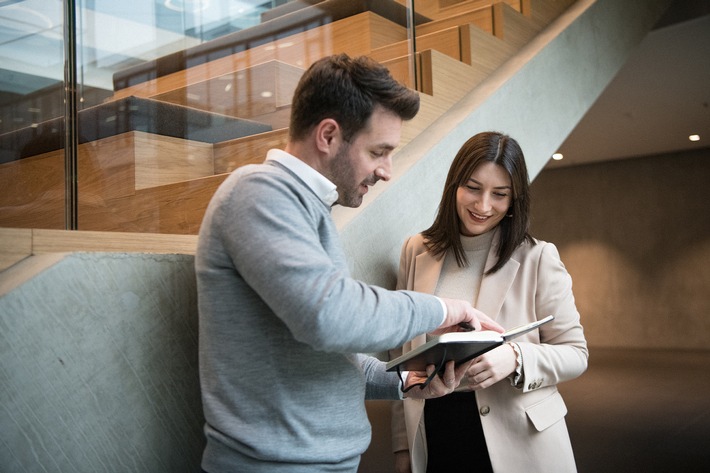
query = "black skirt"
x=455 y=440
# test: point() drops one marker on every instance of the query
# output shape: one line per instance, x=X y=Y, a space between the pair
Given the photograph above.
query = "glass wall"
x=171 y=95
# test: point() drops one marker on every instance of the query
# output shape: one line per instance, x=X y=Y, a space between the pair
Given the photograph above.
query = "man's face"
x=367 y=158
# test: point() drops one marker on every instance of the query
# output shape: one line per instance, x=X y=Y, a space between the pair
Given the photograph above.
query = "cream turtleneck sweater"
x=464 y=283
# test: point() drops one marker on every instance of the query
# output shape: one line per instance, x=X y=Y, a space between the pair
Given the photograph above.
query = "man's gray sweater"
x=281 y=323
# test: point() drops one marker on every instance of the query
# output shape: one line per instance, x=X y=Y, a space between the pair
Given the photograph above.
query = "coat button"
x=485 y=410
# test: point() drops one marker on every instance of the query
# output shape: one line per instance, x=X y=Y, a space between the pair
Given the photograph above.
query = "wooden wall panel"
x=513 y=27
x=446 y=41
x=106 y=168
x=401 y=69
x=250 y=150
x=162 y=160
x=481 y=17
x=175 y=208
x=445 y=78
x=15 y=245
x=542 y=12
x=256 y=93
x=482 y=50
x=470 y=5
x=33 y=192
x=355 y=35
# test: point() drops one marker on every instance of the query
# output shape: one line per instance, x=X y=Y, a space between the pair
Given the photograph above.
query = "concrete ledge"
x=25 y=269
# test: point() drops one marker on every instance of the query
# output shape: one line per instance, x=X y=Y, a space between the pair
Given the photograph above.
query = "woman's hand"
x=489 y=368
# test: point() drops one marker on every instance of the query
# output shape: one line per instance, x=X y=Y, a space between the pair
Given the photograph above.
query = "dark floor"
x=645 y=411
x=641 y=411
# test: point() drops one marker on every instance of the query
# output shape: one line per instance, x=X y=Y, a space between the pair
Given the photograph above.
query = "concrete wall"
x=635 y=236
x=98 y=366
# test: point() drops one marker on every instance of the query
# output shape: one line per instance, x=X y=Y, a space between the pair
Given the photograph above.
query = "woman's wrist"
x=516 y=378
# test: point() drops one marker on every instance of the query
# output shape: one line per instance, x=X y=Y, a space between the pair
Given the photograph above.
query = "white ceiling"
x=658 y=98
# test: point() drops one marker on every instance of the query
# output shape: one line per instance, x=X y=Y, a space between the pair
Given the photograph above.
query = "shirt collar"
x=317 y=182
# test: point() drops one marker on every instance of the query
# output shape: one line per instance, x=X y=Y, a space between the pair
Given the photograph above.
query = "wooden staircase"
x=158 y=175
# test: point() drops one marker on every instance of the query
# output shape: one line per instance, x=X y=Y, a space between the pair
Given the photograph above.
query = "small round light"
x=694 y=137
x=557 y=156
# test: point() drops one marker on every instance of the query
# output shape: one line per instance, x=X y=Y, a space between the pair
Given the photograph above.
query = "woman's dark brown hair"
x=500 y=149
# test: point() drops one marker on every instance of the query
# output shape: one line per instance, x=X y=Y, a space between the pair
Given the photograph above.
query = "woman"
x=507 y=415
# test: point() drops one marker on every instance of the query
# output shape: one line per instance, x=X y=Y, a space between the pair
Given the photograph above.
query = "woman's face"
x=483 y=201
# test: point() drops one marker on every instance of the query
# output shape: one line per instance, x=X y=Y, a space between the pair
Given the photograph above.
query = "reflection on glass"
x=172 y=94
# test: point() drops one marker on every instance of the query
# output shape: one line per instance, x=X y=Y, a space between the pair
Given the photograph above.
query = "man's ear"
x=328 y=136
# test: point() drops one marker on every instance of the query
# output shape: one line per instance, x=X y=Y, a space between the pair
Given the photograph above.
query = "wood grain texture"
x=481 y=17
x=230 y=155
x=257 y=92
x=355 y=36
x=512 y=26
x=470 y=5
x=124 y=182
x=15 y=245
x=161 y=160
x=33 y=192
x=482 y=50
x=64 y=241
x=445 y=78
x=542 y=12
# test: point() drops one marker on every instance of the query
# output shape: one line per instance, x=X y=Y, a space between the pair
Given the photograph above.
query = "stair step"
x=259 y=93
x=279 y=27
x=131 y=114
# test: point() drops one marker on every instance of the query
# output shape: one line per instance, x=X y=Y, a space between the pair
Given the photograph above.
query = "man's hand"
x=440 y=385
x=459 y=311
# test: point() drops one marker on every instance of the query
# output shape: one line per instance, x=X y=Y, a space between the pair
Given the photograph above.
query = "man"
x=281 y=320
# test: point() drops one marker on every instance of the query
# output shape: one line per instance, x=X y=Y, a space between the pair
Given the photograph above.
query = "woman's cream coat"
x=524 y=427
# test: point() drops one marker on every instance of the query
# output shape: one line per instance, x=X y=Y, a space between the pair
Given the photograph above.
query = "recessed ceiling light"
x=557 y=156
x=694 y=137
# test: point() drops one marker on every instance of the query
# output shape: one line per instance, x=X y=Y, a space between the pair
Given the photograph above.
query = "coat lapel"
x=428 y=271
x=495 y=287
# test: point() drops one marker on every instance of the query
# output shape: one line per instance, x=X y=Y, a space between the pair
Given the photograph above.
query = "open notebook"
x=458 y=346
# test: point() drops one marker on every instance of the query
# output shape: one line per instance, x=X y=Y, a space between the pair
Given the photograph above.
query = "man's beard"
x=343 y=176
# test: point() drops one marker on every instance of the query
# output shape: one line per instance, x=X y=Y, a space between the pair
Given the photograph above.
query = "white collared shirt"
x=317 y=182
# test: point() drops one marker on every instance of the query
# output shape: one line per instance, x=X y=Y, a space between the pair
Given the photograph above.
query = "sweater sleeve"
x=380 y=383
x=282 y=240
